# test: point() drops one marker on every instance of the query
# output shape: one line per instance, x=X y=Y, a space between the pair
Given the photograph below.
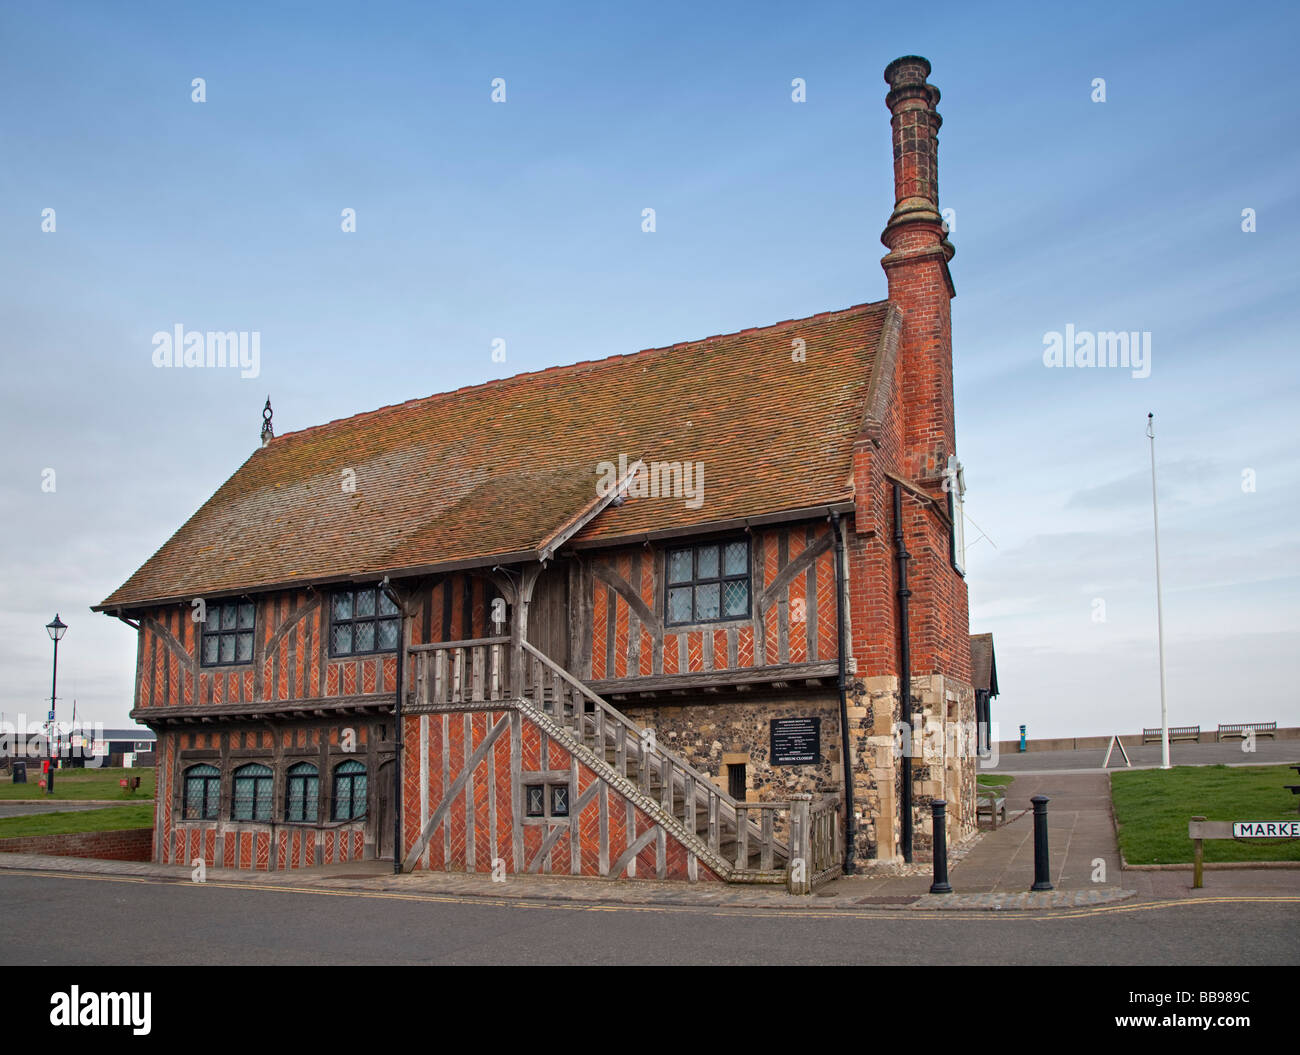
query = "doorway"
x=548 y=614
x=383 y=837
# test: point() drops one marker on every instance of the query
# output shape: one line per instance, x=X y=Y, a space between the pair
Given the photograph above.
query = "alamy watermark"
x=933 y=739
x=24 y=739
x=237 y=349
x=642 y=479
x=75 y=1008
x=1084 y=348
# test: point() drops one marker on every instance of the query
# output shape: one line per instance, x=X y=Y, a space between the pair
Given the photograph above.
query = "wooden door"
x=383 y=836
x=548 y=615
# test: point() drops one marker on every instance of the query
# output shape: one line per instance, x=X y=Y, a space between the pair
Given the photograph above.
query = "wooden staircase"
x=744 y=842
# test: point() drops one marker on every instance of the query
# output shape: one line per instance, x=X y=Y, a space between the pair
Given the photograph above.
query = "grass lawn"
x=1153 y=807
x=109 y=819
x=74 y=784
x=992 y=780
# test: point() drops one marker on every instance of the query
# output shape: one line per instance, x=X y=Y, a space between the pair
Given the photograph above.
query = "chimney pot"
x=915 y=224
x=916 y=267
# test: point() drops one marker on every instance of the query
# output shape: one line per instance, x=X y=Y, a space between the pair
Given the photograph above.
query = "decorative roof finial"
x=268 y=433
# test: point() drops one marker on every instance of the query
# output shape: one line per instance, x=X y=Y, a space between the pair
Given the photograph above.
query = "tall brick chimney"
x=917 y=269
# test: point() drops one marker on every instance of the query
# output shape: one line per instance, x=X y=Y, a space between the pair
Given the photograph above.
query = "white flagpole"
x=1160 y=612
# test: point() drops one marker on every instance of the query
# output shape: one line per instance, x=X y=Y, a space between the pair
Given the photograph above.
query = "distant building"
x=117 y=743
x=85 y=745
x=984 y=680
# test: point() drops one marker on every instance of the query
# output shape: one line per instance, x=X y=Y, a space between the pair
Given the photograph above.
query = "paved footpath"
x=27 y=807
x=855 y=894
x=996 y=869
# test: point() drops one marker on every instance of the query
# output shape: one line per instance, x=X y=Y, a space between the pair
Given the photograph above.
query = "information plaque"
x=796 y=741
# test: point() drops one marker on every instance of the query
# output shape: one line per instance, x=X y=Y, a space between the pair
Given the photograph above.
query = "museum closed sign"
x=796 y=741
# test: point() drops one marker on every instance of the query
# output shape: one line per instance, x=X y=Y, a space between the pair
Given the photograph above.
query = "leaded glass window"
x=535 y=800
x=559 y=800
x=349 y=791
x=302 y=790
x=955 y=484
x=202 y=793
x=228 y=633
x=252 y=799
x=708 y=583
x=362 y=621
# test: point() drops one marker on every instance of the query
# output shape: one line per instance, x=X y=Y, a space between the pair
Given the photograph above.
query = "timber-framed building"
x=654 y=615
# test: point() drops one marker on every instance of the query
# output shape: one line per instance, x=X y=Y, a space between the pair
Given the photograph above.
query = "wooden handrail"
x=468 y=643
x=608 y=709
x=677 y=776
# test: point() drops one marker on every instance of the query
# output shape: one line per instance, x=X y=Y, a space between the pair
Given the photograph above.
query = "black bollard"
x=938 y=811
x=1042 y=870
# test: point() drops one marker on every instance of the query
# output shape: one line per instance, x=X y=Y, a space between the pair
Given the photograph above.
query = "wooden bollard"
x=1198 y=860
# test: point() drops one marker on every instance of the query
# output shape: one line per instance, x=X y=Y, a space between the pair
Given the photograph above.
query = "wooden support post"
x=799 y=870
x=519 y=629
x=1198 y=860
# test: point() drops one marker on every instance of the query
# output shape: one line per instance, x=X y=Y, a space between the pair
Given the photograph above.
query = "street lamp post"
x=56 y=630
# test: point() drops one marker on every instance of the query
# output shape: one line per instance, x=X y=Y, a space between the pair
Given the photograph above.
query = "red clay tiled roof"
x=494 y=470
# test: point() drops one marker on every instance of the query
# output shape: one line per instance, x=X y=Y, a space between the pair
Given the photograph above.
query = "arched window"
x=202 y=793
x=349 y=791
x=302 y=791
x=252 y=793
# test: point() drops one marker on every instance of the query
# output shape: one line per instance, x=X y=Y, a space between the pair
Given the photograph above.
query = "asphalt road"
x=67 y=920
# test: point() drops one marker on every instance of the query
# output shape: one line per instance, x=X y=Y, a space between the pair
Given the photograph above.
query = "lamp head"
x=57 y=628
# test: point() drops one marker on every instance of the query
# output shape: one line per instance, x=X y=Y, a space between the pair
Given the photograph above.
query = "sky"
x=521 y=221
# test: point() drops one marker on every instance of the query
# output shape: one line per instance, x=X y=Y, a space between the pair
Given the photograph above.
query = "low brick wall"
x=129 y=844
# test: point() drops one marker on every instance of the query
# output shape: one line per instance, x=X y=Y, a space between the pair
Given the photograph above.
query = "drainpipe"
x=850 y=828
x=397 y=728
x=905 y=671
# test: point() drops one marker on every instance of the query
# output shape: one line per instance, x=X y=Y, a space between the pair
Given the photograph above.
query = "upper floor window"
x=954 y=482
x=361 y=621
x=349 y=791
x=708 y=582
x=302 y=788
x=202 y=793
x=228 y=633
x=252 y=793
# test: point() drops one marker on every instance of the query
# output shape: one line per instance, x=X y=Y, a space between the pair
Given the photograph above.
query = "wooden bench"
x=1241 y=730
x=992 y=802
x=1176 y=732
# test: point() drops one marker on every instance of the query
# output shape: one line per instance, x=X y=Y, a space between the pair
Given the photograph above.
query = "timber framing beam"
x=646 y=687
x=263 y=710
